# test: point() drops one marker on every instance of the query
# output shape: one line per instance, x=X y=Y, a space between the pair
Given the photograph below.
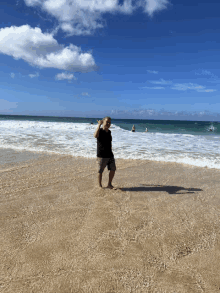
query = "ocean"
x=190 y=142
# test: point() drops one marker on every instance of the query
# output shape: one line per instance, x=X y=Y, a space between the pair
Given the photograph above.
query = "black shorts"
x=103 y=162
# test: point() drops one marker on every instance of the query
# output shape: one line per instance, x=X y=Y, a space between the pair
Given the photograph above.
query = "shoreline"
x=158 y=232
x=26 y=154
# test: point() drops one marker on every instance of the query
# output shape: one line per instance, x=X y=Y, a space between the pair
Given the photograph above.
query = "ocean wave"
x=77 y=139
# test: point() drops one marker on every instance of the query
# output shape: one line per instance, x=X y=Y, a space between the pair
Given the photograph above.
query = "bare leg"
x=111 y=176
x=100 y=179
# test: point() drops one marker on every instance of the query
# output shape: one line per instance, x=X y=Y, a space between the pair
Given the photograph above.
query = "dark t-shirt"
x=104 y=142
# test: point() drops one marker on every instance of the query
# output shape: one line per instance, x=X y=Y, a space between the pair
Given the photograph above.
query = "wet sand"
x=158 y=232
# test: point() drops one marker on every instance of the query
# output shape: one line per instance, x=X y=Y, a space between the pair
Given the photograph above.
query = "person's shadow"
x=168 y=189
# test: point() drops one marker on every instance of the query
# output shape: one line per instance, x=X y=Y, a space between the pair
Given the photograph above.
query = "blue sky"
x=147 y=59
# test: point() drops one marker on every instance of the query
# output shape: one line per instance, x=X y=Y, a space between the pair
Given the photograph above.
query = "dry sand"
x=60 y=233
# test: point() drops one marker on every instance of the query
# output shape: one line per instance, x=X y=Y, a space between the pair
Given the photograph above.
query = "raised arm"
x=96 y=134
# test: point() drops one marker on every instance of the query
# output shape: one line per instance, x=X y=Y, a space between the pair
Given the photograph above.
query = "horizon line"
x=22 y=115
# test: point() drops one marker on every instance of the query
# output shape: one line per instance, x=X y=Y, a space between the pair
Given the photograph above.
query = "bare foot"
x=111 y=187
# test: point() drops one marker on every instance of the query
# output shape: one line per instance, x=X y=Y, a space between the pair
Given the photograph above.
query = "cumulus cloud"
x=63 y=75
x=83 y=16
x=152 y=71
x=12 y=75
x=33 y=75
x=42 y=50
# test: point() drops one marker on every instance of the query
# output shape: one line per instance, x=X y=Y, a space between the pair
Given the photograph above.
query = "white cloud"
x=42 y=50
x=179 y=86
x=161 y=81
x=207 y=90
x=33 y=2
x=204 y=72
x=85 y=94
x=164 y=114
x=187 y=86
x=191 y=86
x=154 y=88
x=33 y=75
x=212 y=77
x=84 y=16
x=63 y=75
x=152 y=71
x=12 y=75
x=155 y=5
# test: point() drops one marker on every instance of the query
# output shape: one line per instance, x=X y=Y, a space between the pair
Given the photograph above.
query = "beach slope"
x=158 y=232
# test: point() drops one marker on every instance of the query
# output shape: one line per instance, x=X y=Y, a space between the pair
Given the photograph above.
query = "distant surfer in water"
x=133 y=129
x=146 y=130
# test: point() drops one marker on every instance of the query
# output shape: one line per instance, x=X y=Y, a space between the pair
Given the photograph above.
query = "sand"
x=60 y=233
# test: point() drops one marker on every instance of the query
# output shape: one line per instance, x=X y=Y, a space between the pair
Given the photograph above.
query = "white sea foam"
x=77 y=139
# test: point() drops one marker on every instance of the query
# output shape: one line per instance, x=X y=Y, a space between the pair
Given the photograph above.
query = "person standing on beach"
x=105 y=155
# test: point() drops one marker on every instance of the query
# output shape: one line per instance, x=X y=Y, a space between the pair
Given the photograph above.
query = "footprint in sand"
x=98 y=192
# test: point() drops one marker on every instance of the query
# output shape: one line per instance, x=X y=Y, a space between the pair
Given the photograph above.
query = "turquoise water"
x=161 y=126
